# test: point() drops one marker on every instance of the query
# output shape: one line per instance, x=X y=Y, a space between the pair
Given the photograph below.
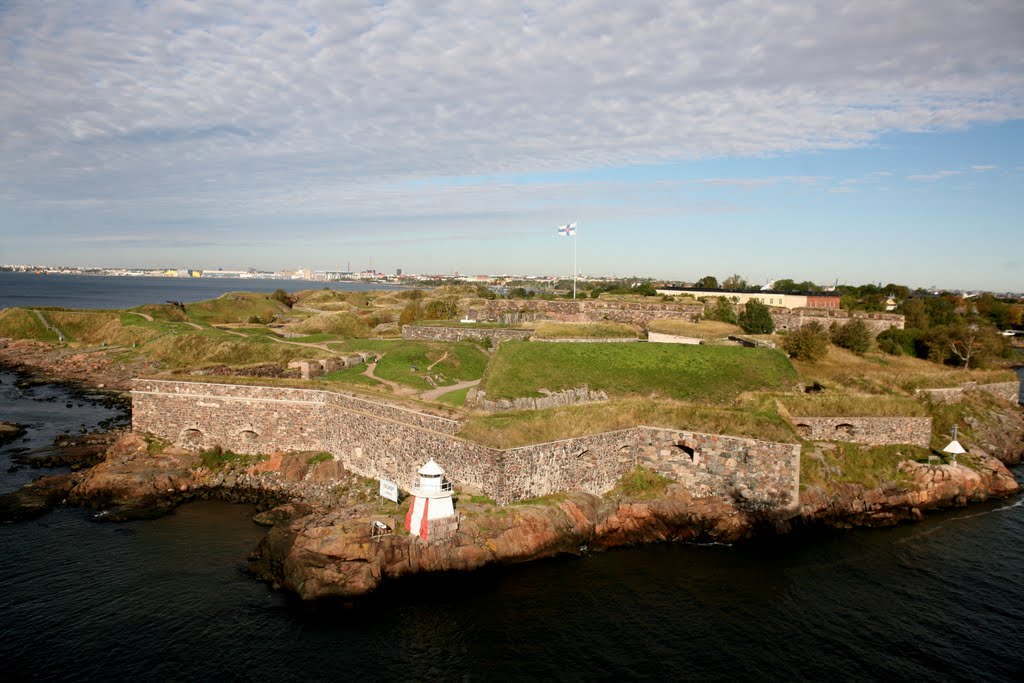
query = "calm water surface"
x=99 y=291
x=169 y=600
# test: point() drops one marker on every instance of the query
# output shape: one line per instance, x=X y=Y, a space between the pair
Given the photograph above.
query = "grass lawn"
x=452 y=362
x=456 y=398
x=713 y=374
x=353 y=377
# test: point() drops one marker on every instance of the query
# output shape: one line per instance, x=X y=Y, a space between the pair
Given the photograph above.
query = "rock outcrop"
x=321 y=545
x=930 y=487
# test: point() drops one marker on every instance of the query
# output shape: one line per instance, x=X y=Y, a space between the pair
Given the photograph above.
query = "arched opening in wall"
x=192 y=439
x=687 y=452
x=247 y=437
x=845 y=431
x=804 y=431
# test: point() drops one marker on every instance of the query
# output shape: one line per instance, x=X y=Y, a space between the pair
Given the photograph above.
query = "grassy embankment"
x=693 y=373
x=685 y=387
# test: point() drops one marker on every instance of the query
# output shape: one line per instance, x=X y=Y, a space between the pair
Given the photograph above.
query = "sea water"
x=170 y=599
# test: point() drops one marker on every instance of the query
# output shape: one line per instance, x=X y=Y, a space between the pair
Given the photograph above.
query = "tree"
x=734 y=283
x=283 y=297
x=722 y=311
x=410 y=313
x=854 y=335
x=896 y=342
x=755 y=318
x=707 y=282
x=915 y=314
x=809 y=343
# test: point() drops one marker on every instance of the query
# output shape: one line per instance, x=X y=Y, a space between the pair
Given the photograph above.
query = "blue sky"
x=864 y=142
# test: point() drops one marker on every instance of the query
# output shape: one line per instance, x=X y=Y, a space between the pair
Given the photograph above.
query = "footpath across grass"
x=707 y=374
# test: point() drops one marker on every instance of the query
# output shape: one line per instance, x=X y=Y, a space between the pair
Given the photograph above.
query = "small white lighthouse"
x=431 y=500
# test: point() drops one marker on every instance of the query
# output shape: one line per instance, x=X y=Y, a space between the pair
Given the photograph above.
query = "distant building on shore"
x=768 y=298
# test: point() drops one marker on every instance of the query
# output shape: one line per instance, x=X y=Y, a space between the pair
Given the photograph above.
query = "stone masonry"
x=796 y=318
x=872 y=431
x=375 y=439
x=1006 y=391
x=457 y=334
x=585 y=310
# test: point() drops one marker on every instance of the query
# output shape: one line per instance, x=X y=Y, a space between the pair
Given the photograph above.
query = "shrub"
x=723 y=311
x=897 y=342
x=411 y=312
x=284 y=297
x=755 y=318
x=854 y=335
x=809 y=343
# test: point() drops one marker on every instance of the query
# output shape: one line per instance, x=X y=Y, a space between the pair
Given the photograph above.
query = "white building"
x=431 y=502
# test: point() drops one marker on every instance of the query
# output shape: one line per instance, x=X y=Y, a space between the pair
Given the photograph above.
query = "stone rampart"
x=796 y=318
x=568 y=397
x=585 y=310
x=380 y=440
x=871 y=431
x=457 y=334
x=586 y=340
x=1005 y=391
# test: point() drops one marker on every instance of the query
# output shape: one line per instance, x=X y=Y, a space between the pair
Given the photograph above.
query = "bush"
x=411 y=313
x=897 y=342
x=809 y=343
x=284 y=297
x=854 y=335
x=755 y=318
x=722 y=311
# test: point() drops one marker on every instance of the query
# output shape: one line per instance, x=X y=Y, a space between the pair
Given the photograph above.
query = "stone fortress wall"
x=642 y=313
x=872 y=431
x=796 y=318
x=380 y=440
x=585 y=310
x=1005 y=391
x=457 y=334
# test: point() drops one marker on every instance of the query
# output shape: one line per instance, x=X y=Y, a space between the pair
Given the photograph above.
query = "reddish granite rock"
x=130 y=475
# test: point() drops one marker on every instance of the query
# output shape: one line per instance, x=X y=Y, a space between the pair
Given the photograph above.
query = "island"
x=560 y=426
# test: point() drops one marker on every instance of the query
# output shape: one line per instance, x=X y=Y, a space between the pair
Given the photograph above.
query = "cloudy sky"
x=860 y=140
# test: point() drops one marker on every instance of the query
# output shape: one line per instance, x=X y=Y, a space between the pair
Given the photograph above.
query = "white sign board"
x=389 y=490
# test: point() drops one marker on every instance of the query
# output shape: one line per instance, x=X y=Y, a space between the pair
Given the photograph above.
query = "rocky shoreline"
x=319 y=544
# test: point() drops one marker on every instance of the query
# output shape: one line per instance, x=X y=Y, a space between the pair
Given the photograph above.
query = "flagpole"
x=574 y=237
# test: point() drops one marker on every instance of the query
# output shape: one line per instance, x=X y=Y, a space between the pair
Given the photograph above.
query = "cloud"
x=930 y=177
x=983 y=167
x=326 y=108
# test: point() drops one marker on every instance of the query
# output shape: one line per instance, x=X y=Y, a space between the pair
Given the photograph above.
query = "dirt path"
x=431 y=366
x=145 y=316
x=50 y=326
x=395 y=386
x=437 y=393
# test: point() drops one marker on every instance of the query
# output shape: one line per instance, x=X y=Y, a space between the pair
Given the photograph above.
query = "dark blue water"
x=170 y=600
x=99 y=291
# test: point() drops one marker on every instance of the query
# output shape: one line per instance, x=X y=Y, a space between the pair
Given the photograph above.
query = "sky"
x=856 y=141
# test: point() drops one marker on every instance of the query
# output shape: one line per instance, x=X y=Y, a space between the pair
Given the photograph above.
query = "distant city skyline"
x=883 y=142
